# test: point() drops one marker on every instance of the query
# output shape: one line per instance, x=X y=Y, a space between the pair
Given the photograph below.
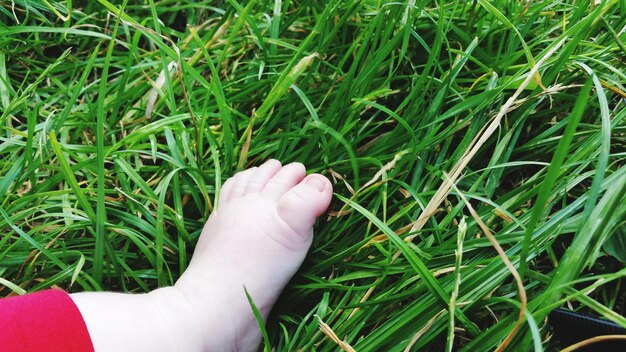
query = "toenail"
x=316 y=183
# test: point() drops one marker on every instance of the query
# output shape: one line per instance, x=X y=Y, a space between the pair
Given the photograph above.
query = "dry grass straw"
x=443 y=191
x=328 y=331
x=518 y=280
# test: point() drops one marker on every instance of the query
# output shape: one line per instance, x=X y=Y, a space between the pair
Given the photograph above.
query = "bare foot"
x=257 y=238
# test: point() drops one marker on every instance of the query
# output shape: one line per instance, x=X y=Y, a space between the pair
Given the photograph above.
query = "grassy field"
x=476 y=150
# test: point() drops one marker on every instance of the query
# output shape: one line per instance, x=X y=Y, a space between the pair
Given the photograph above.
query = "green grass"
x=119 y=121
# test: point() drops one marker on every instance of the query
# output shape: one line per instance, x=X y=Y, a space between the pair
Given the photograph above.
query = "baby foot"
x=256 y=238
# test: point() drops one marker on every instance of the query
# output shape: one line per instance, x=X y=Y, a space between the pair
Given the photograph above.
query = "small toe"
x=263 y=175
x=285 y=179
x=226 y=190
x=302 y=204
x=241 y=182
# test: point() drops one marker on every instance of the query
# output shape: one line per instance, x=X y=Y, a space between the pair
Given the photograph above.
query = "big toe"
x=303 y=203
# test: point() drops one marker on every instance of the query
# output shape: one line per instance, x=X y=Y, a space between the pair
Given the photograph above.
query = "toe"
x=226 y=190
x=302 y=204
x=263 y=175
x=285 y=179
x=241 y=182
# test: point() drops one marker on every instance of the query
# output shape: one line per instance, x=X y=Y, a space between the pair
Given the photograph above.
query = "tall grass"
x=120 y=121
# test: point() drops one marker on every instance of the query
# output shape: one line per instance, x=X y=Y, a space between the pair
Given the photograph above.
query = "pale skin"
x=257 y=237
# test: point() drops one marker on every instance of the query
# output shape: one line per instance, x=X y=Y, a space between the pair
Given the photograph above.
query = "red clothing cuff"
x=43 y=321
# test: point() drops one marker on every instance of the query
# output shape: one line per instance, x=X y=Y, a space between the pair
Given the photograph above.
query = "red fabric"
x=44 y=321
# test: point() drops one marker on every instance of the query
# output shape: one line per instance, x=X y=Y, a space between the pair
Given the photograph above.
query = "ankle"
x=222 y=310
x=179 y=317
